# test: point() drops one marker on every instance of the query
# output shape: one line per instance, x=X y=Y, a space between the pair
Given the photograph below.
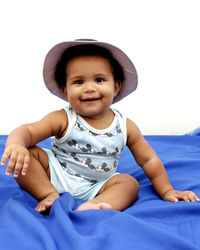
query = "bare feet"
x=93 y=205
x=47 y=202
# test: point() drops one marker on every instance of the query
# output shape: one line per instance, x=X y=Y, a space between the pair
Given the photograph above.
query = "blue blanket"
x=150 y=223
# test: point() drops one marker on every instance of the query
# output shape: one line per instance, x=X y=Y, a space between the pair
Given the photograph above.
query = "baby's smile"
x=91 y=99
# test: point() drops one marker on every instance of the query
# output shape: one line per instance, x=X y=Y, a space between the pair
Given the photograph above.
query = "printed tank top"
x=88 y=152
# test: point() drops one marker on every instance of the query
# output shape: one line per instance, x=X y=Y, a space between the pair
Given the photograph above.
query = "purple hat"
x=130 y=74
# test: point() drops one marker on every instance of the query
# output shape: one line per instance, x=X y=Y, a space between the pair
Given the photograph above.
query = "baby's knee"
x=36 y=152
x=40 y=156
x=33 y=150
x=130 y=181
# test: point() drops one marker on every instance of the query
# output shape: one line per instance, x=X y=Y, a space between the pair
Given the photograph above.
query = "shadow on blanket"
x=148 y=224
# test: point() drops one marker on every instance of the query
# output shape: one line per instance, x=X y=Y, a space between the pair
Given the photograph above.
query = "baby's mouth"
x=91 y=99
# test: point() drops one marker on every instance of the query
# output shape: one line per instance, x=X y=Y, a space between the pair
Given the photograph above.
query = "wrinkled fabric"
x=150 y=223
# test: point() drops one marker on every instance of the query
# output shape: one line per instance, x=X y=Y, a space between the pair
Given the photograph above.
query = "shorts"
x=78 y=187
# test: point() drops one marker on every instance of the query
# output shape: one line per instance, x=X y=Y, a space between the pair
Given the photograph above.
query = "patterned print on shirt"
x=78 y=127
x=87 y=163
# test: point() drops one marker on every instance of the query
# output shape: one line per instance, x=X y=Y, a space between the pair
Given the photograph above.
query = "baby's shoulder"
x=58 y=114
x=59 y=120
x=132 y=129
x=62 y=117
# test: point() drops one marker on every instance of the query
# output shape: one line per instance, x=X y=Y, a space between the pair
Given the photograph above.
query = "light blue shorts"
x=78 y=187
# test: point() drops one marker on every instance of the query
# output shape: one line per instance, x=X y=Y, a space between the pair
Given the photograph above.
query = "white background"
x=161 y=37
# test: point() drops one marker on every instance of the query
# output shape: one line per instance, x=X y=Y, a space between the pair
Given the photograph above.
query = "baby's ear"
x=118 y=85
x=64 y=91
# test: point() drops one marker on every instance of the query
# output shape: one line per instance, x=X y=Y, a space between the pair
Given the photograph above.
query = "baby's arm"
x=25 y=136
x=153 y=167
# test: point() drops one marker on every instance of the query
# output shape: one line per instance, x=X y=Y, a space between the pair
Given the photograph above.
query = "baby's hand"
x=19 y=160
x=175 y=196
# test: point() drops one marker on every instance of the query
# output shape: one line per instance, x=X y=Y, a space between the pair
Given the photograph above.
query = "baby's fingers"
x=175 y=196
x=190 y=196
x=196 y=198
x=26 y=165
x=11 y=163
x=18 y=166
x=187 y=196
x=5 y=157
x=21 y=166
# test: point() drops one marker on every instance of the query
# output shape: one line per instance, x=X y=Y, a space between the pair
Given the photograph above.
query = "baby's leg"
x=118 y=193
x=37 y=180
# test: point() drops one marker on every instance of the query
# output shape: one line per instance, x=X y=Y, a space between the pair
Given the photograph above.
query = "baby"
x=89 y=134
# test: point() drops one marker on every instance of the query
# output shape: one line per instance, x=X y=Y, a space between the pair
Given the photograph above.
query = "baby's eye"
x=99 y=79
x=78 y=82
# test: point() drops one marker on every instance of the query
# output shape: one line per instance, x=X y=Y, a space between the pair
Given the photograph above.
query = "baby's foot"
x=93 y=205
x=47 y=202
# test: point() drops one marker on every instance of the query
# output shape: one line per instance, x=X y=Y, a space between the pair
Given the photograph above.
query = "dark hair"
x=86 y=50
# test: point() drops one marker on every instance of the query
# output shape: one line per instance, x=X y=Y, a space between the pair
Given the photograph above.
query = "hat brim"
x=130 y=74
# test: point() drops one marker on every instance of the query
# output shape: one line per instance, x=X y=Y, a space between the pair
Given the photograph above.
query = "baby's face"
x=90 y=85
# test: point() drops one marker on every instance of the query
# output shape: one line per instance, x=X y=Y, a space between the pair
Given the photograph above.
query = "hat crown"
x=85 y=40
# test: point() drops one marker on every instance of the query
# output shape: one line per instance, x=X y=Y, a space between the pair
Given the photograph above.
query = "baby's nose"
x=90 y=86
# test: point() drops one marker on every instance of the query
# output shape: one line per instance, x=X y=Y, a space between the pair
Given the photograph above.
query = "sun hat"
x=53 y=56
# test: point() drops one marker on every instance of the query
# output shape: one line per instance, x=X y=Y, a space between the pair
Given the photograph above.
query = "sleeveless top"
x=87 y=152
